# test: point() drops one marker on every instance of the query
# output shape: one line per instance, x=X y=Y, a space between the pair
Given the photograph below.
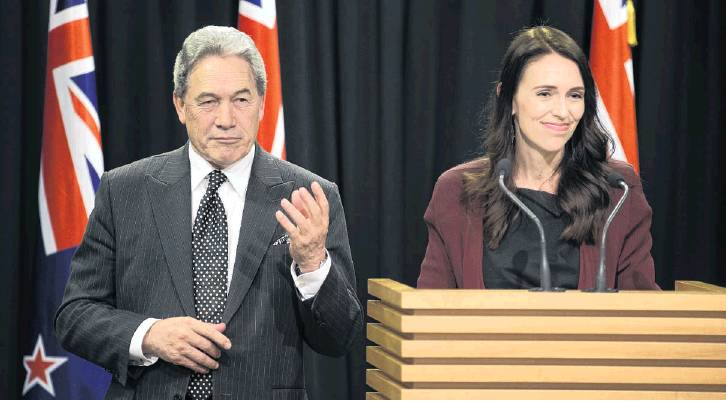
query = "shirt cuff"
x=136 y=355
x=308 y=284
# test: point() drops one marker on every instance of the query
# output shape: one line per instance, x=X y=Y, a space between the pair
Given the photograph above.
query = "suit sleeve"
x=333 y=319
x=436 y=268
x=636 y=270
x=87 y=322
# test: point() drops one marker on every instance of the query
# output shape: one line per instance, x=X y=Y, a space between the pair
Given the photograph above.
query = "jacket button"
x=178 y=397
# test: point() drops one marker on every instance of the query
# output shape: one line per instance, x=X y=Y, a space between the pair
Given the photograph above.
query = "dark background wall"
x=381 y=97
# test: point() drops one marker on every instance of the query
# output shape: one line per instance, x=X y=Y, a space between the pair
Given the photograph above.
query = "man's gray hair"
x=217 y=41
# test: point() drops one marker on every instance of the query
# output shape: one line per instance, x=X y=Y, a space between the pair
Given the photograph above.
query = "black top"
x=516 y=263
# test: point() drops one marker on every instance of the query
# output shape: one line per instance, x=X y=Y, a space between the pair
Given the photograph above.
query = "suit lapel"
x=264 y=192
x=170 y=193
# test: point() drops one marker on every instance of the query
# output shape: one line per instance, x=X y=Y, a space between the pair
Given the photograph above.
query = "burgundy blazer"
x=456 y=246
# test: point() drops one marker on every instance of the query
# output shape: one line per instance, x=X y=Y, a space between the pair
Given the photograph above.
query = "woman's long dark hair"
x=582 y=191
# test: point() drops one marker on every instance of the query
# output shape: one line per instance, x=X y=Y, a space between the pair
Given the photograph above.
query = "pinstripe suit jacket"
x=135 y=262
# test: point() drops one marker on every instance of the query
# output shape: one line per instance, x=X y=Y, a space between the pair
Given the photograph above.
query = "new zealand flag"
x=70 y=166
x=258 y=18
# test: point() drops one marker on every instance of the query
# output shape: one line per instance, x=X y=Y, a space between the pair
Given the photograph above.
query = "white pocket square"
x=285 y=239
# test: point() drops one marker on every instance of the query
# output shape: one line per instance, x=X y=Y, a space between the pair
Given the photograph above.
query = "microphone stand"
x=545 y=280
x=601 y=281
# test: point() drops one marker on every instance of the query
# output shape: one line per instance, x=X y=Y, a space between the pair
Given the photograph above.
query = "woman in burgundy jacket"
x=542 y=117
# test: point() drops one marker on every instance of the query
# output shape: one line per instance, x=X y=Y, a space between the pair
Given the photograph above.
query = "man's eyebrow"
x=217 y=97
x=244 y=91
x=206 y=94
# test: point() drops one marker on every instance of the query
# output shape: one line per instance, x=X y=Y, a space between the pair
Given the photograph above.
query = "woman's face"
x=548 y=104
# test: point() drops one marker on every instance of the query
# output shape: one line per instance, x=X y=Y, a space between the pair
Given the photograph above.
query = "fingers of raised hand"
x=297 y=200
x=298 y=224
x=311 y=205
x=321 y=199
x=305 y=210
x=286 y=223
x=305 y=219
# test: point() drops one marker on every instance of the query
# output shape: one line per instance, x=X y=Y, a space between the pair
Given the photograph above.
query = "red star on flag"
x=38 y=368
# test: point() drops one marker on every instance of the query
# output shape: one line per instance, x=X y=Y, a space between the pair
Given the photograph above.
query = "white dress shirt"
x=232 y=192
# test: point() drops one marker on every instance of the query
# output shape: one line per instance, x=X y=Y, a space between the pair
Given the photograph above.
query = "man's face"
x=221 y=109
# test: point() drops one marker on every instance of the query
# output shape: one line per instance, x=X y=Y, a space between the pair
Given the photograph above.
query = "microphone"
x=504 y=169
x=615 y=180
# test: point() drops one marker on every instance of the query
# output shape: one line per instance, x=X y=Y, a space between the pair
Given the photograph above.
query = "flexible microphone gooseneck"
x=503 y=169
x=615 y=180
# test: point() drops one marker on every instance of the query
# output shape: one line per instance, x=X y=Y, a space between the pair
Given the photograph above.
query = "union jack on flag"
x=70 y=166
x=258 y=18
x=612 y=68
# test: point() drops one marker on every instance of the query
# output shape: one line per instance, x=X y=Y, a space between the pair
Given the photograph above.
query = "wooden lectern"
x=516 y=344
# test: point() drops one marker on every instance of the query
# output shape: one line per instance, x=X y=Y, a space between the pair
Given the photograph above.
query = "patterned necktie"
x=209 y=270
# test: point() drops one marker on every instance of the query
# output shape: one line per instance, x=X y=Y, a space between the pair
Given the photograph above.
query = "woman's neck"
x=536 y=169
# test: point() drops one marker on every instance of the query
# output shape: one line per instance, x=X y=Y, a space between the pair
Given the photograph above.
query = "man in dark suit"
x=202 y=270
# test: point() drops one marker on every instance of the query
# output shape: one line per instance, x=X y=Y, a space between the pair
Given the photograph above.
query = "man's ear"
x=262 y=108
x=179 y=107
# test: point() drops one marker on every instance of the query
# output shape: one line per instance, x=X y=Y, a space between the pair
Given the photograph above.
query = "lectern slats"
x=454 y=348
x=403 y=322
x=490 y=344
x=699 y=286
x=405 y=297
x=451 y=371
x=393 y=390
